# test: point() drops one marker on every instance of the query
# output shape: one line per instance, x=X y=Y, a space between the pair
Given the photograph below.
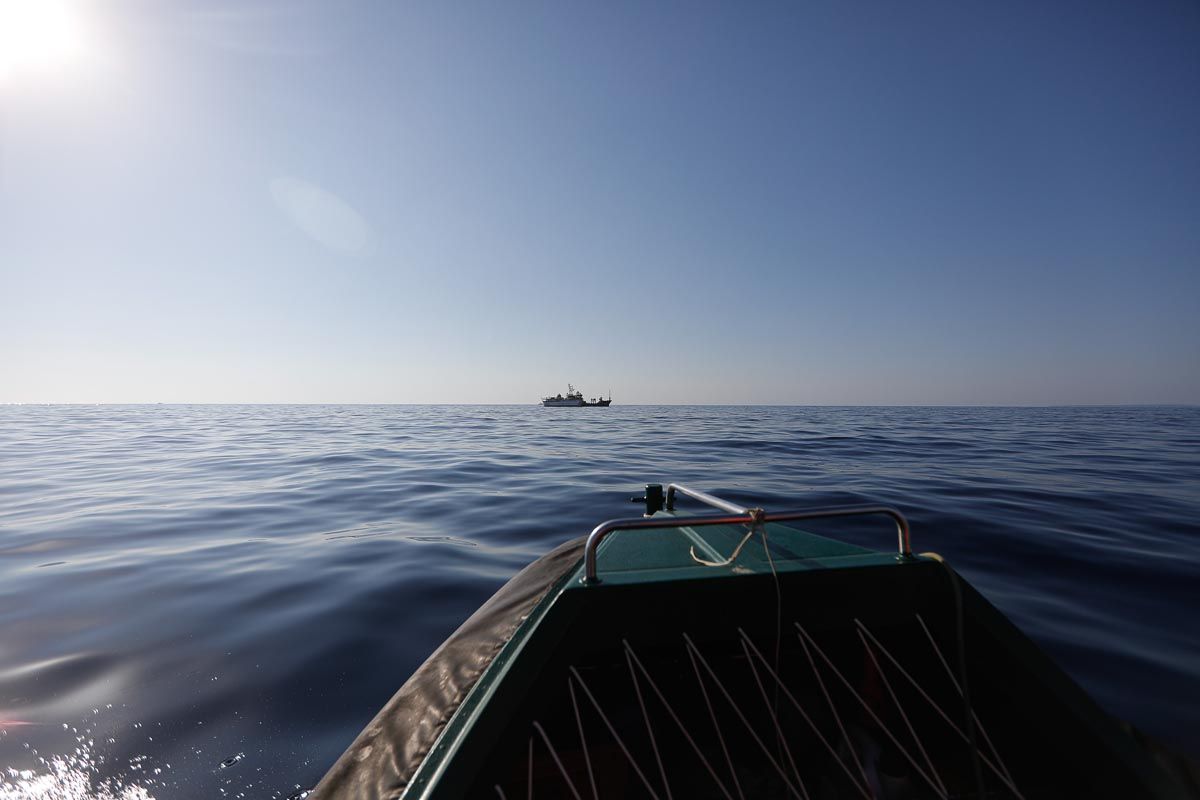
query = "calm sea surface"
x=213 y=600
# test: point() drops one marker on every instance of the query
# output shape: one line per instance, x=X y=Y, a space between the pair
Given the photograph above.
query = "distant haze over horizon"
x=802 y=204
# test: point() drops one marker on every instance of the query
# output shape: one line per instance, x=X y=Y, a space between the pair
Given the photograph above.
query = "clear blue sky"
x=827 y=202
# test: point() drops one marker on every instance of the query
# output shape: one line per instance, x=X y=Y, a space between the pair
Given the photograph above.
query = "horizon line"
x=623 y=405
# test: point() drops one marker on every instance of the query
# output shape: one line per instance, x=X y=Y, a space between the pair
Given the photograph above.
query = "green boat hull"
x=806 y=667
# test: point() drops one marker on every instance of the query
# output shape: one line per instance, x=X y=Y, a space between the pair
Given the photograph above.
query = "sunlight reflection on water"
x=81 y=773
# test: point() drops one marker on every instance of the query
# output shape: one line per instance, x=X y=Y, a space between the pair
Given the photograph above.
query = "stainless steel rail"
x=750 y=516
x=703 y=497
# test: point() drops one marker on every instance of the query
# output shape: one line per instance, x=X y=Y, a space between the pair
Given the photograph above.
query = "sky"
x=459 y=202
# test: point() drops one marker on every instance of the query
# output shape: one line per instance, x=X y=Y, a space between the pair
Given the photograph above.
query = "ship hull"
x=573 y=403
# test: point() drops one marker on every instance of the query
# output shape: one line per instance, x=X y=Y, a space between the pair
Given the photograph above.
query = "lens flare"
x=37 y=35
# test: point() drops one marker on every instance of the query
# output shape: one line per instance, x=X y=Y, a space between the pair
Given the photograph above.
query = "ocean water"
x=208 y=601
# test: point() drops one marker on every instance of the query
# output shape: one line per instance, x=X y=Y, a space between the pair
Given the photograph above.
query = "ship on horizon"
x=574 y=399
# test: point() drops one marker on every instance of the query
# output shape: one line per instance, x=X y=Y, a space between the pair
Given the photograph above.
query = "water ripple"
x=248 y=584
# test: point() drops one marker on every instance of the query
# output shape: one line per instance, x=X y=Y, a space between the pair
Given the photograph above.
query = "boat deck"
x=734 y=656
x=666 y=553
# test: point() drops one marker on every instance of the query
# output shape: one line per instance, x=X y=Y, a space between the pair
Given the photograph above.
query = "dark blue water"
x=186 y=586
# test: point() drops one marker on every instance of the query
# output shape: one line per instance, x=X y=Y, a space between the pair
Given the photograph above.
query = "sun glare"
x=38 y=35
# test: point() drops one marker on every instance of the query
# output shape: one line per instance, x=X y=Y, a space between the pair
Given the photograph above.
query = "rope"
x=587 y=759
x=716 y=726
x=755 y=525
x=780 y=744
x=737 y=551
x=962 y=668
x=646 y=716
x=611 y=729
x=563 y=770
x=737 y=710
x=633 y=659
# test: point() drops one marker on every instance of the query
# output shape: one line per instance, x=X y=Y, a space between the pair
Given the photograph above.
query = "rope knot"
x=756 y=525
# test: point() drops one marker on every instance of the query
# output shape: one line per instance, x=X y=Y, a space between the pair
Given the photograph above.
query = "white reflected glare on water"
x=77 y=774
x=72 y=776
